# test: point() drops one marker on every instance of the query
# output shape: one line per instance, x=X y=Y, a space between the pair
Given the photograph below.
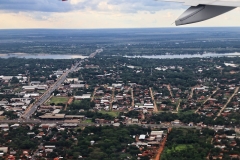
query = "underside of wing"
x=227 y=3
x=200 y=13
x=201 y=10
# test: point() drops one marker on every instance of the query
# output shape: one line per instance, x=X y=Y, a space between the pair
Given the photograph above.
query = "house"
x=134 y=120
x=4 y=126
x=114 y=107
x=58 y=73
x=11 y=157
x=3 y=103
x=31 y=95
x=14 y=126
x=176 y=122
x=84 y=96
x=117 y=85
x=4 y=149
x=50 y=147
x=142 y=137
x=34 y=83
x=156 y=133
x=77 y=85
x=116 y=124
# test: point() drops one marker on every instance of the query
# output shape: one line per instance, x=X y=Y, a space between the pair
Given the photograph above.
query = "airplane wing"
x=201 y=10
x=228 y=3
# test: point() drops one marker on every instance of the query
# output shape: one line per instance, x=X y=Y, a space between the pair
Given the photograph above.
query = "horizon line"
x=119 y=28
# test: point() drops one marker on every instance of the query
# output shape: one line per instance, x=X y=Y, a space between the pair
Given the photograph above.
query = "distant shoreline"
x=76 y=56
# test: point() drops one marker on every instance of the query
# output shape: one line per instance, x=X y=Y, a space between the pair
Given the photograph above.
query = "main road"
x=48 y=93
x=59 y=122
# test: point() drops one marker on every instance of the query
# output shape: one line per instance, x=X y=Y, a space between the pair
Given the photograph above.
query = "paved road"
x=95 y=53
x=59 y=122
x=37 y=121
x=48 y=93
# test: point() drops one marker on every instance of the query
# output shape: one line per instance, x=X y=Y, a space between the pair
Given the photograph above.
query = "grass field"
x=111 y=113
x=179 y=147
x=57 y=100
x=87 y=121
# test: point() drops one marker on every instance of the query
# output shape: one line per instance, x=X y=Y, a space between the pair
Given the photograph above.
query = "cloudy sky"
x=99 y=14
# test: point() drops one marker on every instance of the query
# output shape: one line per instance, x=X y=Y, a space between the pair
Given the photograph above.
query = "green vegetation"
x=184 y=144
x=179 y=147
x=85 y=104
x=111 y=113
x=87 y=121
x=109 y=143
x=58 y=100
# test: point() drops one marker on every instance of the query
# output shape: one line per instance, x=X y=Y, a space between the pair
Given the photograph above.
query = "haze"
x=99 y=14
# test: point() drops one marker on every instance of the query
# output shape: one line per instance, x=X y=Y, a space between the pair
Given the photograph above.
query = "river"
x=206 y=55
x=42 y=56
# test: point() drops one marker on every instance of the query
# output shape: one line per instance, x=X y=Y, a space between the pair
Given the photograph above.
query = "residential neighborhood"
x=53 y=110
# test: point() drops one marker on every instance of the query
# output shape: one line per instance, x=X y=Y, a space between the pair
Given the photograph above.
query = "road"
x=37 y=121
x=229 y=99
x=48 y=93
x=178 y=105
x=191 y=93
x=206 y=100
x=95 y=53
x=59 y=122
x=154 y=103
x=170 y=91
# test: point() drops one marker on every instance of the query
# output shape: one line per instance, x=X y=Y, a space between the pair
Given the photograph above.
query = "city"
x=157 y=97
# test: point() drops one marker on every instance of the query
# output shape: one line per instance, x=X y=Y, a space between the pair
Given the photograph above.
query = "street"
x=28 y=113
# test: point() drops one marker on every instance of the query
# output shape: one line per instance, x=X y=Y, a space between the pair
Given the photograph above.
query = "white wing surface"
x=201 y=10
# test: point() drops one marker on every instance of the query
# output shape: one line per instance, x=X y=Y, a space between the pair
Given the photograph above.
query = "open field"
x=111 y=113
x=57 y=100
x=87 y=121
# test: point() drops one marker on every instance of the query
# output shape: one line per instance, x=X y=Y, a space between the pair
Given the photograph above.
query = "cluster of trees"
x=48 y=41
x=36 y=67
x=110 y=143
x=22 y=140
x=187 y=118
x=186 y=144
x=10 y=114
x=97 y=143
x=85 y=104
x=183 y=78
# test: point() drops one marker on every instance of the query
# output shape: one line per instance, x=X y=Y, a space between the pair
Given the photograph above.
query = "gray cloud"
x=129 y=6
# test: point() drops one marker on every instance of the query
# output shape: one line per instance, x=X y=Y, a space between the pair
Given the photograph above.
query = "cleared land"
x=57 y=100
x=113 y=114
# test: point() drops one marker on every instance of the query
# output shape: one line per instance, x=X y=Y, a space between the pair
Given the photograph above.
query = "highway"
x=95 y=53
x=80 y=124
x=48 y=93
x=59 y=122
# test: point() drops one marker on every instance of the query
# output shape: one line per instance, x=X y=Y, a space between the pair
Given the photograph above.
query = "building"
x=4 y=149
x=82 y=117
x=77 y=85
x=52 y=116
x=69 y=125
x=84 y=96
x=4 y=126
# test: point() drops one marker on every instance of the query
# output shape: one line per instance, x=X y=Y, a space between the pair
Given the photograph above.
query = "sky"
x=82 y=14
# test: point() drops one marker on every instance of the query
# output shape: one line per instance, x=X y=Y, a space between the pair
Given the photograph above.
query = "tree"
x=14 y=80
